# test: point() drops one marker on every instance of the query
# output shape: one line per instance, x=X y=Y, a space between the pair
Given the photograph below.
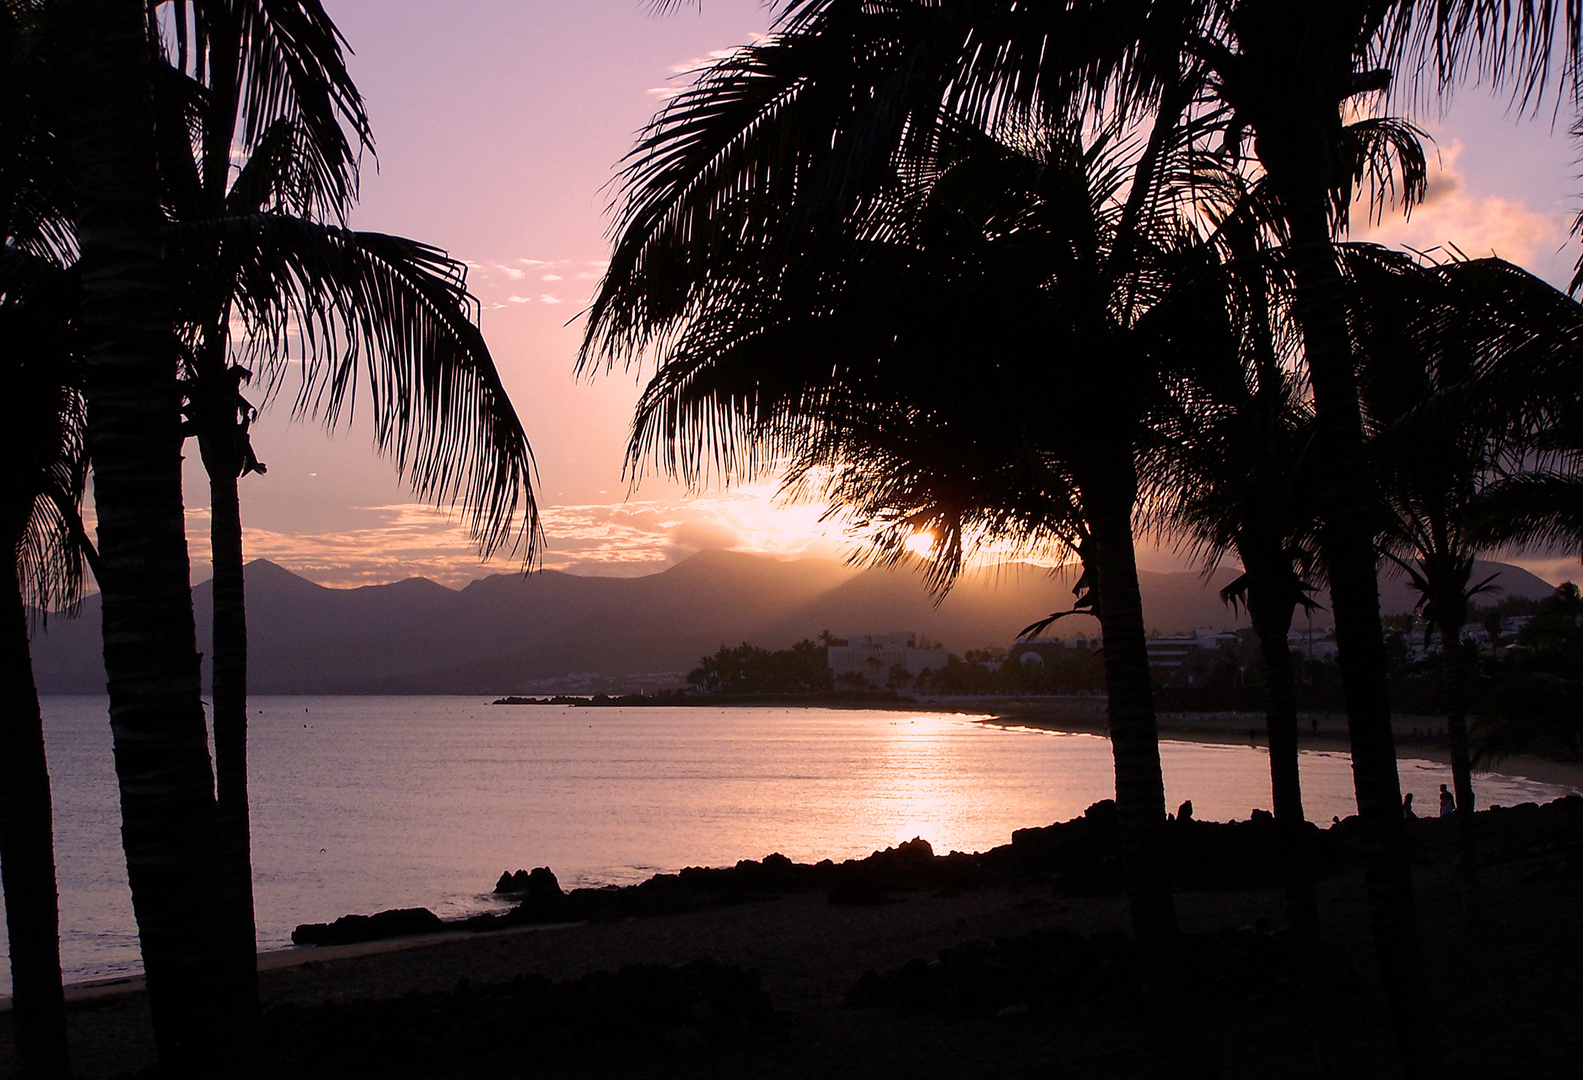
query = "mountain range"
x=558 y=632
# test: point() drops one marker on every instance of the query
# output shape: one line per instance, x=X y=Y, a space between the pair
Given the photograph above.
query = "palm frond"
x=390 y=318
x=43 y=431
x=274 y=61
x=1513 y=44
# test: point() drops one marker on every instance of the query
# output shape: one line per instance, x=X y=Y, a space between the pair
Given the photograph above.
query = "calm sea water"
x=361 y=804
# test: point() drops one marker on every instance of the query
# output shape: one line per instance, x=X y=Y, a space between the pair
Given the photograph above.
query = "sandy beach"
x=1507 y=989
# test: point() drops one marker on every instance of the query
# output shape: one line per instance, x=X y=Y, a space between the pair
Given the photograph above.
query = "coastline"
x=809 y=954
x=1416 y=736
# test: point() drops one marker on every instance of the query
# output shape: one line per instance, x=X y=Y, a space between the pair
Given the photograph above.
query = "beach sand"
x=1507 y=992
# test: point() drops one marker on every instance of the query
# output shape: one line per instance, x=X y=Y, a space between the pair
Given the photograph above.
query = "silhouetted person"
x=1448 y=802
x=1185 y=811
x=1407 y=806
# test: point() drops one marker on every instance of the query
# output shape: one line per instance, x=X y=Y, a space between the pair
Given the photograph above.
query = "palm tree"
x=258 y=236
x=277 y=70
x=1435 y=444
x=1286 y=71
x=41 y=528
x=1463 y=438
x=770 y=317
x=169 y=822
x=39 y=499
x=1289 y=71
x=1235 y=476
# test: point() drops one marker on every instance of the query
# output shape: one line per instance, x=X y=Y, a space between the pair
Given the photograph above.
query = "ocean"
x=361 y=804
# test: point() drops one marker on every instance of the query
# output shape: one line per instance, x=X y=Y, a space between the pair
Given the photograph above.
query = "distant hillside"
x=550 y=630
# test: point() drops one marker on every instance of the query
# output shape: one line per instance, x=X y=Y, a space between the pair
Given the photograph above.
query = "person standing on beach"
x=1448 y=802
x=1407 y=806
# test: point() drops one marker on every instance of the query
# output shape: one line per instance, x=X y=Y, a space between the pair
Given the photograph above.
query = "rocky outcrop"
x=1077 y=857
x=354 y=929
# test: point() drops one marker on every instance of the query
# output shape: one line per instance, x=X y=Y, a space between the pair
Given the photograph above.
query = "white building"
x=874 y=656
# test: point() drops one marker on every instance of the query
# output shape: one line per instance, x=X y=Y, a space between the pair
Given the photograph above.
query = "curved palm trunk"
x=230 y=736
x=1457 y=667
x=168 y=820
x=1140 y=786
x=27 y=856
x=1348 y=548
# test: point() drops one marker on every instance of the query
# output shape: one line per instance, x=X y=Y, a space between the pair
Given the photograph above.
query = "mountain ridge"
x=510 y=633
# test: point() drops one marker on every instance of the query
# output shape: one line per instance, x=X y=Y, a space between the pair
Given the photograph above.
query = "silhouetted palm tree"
x=276 y=70
x=1458 y=427
x=41 y=427
x=257 y=198
x=40 y=495
x=1435 y=444
x=1286 y=71
x=169 y=823
x=764 y=309
x=1234 y=475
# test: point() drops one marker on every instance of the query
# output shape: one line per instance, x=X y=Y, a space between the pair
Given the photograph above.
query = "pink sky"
x=498 y=125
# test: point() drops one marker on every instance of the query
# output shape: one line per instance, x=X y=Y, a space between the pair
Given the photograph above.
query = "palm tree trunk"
x=1458 y=675
x=1286 y=788
x=168 y=820
x=1348 y=547
x=230 y=735
x=27 y=858
x=1108 y=498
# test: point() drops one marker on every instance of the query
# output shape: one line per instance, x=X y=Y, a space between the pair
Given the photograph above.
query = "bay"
x=361 y=804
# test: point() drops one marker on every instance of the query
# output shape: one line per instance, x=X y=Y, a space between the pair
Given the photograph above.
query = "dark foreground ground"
x=1509 y=992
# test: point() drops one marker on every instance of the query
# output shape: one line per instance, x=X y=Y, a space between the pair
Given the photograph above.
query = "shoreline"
x=1414 y=738
x=298 y=957
x=1417 y=736
x=809 y=956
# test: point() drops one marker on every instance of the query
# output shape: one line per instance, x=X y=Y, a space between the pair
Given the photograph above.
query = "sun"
x=921 y=544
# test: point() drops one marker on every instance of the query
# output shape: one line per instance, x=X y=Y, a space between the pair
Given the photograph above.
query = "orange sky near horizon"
x=498 y=125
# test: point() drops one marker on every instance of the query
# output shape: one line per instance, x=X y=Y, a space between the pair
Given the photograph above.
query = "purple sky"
x=498 y=124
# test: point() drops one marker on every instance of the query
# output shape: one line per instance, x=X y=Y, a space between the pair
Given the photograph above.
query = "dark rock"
x=539 y=882
x=352 y=929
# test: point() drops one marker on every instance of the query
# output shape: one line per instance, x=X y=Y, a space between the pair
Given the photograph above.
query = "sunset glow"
x=497 y=140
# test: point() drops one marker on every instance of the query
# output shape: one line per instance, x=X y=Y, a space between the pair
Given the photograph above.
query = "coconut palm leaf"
x=1532 y=509
x=36 y=198
x=43 y=432
x=279 y=61
x=393 y=318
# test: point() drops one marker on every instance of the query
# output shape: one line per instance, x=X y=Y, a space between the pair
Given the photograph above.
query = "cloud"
x=1554 y=569
x=384 y=543
x=691 y=536
x=1454 y=217
x=550 y=277
x=510 y=271
x=548 y=299
x=518 y=299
